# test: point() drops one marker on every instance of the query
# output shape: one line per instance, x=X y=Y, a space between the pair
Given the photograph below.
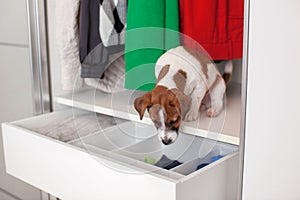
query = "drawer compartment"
x=105 y=159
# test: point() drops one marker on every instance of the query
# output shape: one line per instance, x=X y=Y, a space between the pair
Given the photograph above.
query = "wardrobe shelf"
x=225 y=127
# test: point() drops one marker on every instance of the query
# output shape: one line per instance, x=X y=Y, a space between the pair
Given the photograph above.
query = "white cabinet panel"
x=272 y=140
x=13 y=22
x=16 y=100
x=15 y=103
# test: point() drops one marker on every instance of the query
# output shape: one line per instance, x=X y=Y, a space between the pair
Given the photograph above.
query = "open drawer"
x=77 y=155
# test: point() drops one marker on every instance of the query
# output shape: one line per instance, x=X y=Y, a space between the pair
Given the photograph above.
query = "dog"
x=186 y=81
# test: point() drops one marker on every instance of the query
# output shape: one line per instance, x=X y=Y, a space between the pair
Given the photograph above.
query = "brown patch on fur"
x=180 y=79
x=163 y=72
x=183 y=73
x=204 y=70
x=142 y=103
x=203 y=60
x=164 y=98
x=174 y=103
x=182 y=101
x=226 y=77
x=154 y=114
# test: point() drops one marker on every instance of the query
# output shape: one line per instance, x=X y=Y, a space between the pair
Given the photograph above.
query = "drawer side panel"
x=217 y=182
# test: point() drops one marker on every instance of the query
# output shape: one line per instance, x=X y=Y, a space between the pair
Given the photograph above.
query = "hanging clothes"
x=94 y=52
x=113 y=77
x=67 y=39
x=217 y=25
x=152 y=28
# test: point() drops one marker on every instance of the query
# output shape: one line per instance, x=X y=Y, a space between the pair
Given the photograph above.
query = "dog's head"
x=166 y=108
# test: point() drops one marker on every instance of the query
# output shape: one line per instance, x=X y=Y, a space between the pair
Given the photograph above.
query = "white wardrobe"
x=75 y=152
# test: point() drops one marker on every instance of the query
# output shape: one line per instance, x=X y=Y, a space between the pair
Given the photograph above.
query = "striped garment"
x=102 y=32
x=112 y=21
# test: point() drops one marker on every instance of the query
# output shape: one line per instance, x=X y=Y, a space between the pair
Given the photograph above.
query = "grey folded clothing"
x=167 y=163
x=113 y=77
x=99 y=59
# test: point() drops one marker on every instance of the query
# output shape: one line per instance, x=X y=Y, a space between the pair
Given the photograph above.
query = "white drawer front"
x=70 y=172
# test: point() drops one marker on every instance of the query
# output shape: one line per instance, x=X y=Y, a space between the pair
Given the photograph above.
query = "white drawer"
x=109 y=163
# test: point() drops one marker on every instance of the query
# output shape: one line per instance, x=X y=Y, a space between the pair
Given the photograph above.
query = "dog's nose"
x=166 y=140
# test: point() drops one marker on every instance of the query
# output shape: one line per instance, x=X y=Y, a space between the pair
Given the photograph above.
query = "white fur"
x=228 y=67
x=162 y=133
x=197 y=83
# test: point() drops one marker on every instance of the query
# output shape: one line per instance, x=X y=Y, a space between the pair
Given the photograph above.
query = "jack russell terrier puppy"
x=186 y=81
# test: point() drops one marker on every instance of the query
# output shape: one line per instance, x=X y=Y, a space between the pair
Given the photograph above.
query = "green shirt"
x=152 y=28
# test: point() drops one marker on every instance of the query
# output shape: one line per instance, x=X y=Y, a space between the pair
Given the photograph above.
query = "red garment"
x=217 y=25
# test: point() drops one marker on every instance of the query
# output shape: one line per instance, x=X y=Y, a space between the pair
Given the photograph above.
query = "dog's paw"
x=191 y=116
x=212 y=112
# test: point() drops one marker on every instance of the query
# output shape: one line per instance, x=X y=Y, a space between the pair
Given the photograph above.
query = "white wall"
x=272 y=141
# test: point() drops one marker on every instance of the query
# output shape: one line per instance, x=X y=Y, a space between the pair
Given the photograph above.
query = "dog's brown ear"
x=141 y=103
x=183 y=101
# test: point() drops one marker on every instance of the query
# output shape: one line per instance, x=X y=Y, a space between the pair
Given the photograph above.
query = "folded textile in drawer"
x=186 y=149
x=69 y=125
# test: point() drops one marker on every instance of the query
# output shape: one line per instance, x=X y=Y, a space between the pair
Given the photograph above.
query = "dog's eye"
x=171 y=103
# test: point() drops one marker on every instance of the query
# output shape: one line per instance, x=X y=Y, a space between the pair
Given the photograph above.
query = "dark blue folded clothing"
x=212 y=159
x=166 y=163
x=202 y=165
x=215 y=158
